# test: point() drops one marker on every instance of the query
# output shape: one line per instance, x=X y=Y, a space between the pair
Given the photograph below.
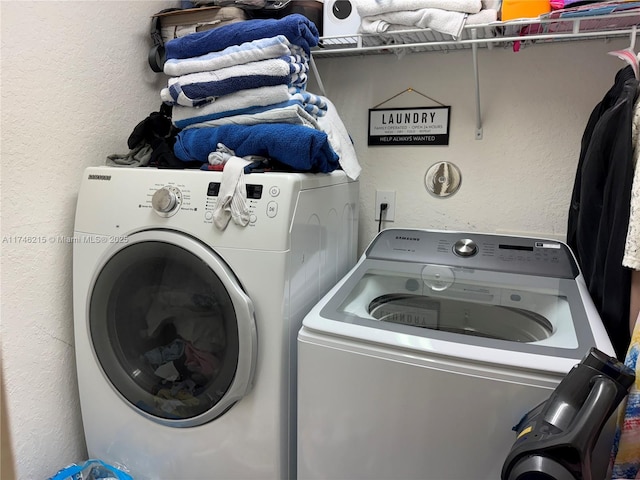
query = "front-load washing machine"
x=185 y=334
x=422 y=359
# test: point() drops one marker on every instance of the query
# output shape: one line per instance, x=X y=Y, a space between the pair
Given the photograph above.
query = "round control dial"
x=465 y=247
x=166 y=201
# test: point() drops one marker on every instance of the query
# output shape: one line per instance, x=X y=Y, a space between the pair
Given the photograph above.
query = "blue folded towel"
x=302 y=148
x=298 y=29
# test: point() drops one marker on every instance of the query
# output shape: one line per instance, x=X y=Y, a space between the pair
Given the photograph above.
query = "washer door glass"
x=172 y=329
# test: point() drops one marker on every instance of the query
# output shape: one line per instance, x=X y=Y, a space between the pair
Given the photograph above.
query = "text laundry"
x=394 y=118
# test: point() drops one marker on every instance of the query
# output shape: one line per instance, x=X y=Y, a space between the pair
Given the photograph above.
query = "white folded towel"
x=486 y=15
x=340 y=141
x=252 y=97
x=262 y=49
x=442 y=21
x=367 y=8
x=292 y=114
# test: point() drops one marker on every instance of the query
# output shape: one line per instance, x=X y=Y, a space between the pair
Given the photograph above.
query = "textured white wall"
x=75 y=82
x=519 y=177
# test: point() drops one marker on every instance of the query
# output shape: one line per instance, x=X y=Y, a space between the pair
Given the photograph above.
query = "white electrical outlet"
x=390 y=199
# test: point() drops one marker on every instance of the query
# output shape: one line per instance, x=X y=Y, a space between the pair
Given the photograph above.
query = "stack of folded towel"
x=246 y=81
x=238 y=93
x=444 y=16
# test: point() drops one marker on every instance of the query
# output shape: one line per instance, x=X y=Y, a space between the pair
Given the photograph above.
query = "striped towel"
x=312 y=103
x=288 y=112
x=235 y=103
x=250 y=102
x=197 y=89
x=262 y=49
x=626 y=447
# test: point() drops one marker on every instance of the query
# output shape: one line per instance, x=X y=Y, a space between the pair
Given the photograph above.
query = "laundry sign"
x=409 y=126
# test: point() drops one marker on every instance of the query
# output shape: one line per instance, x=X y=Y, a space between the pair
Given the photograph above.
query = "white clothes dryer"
x=422 y=359
x=185 y=334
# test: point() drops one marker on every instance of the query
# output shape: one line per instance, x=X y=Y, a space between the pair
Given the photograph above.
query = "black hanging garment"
x=600 y=203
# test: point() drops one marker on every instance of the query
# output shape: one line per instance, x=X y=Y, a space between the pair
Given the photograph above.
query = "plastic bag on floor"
x=92 y=470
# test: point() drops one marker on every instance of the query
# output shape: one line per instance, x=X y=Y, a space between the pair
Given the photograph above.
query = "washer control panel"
x=263 y=201
x=530 y=256
x=117 y=200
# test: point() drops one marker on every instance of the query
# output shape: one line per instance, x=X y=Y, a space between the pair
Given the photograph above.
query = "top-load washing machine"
x=185 y=334
x=421 y=360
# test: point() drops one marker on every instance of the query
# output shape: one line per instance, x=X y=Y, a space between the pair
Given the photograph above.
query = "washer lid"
x=171 y=328
x=413 y=303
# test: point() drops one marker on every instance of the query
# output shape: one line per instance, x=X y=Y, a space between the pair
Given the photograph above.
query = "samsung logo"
x=100 y=177
x=412 y=239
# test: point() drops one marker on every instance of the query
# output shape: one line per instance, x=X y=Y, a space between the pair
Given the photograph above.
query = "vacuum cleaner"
x=556 y=440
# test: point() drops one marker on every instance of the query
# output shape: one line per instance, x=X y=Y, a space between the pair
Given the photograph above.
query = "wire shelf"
x=526 y=31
